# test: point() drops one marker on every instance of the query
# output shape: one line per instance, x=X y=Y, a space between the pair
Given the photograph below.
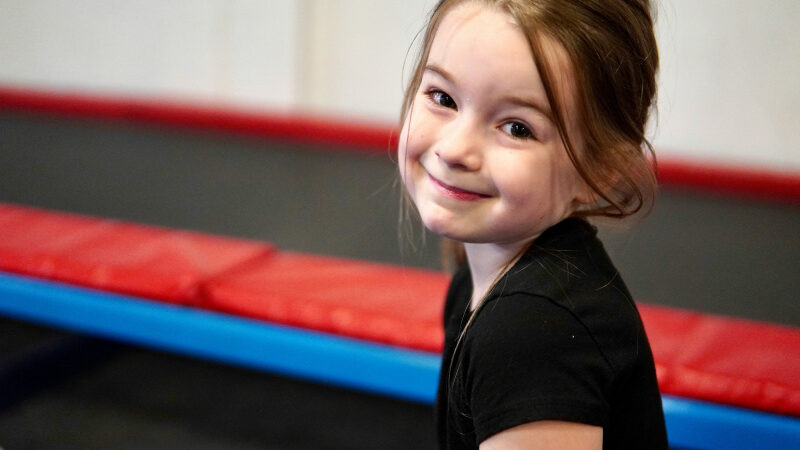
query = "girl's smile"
x=455 y=192
x=478 y=153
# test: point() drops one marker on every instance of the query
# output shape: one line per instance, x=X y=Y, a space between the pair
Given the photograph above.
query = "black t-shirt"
x=557 y=338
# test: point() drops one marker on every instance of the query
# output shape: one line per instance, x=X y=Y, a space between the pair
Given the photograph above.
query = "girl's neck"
x=487 y=263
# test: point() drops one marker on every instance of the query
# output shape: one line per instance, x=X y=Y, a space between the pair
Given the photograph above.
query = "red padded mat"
x=731 y=361
x=381 y=303
x=30 y=238
x=110 y=255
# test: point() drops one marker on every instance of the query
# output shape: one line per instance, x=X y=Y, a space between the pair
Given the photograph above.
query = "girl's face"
x=478 y=154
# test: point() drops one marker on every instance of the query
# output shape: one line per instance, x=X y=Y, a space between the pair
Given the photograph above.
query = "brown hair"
x=612 y=50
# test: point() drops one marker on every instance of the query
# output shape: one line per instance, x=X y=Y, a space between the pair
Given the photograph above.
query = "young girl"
x=523 y=117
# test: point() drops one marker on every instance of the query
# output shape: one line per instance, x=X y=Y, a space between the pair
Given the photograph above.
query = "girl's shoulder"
x=526 y=358
x=566 y=287
x=566 y=262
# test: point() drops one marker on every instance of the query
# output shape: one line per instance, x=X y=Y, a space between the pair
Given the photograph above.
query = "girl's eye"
x=442 y=99
x=517 y=130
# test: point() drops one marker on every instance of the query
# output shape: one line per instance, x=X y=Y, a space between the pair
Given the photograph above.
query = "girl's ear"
x=586 y=196
x=606 y=181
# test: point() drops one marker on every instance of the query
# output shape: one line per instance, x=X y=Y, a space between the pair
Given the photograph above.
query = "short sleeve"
x=528 y=359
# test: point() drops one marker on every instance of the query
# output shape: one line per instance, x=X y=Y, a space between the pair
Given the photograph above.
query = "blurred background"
x=729 y=99
x=728 y=85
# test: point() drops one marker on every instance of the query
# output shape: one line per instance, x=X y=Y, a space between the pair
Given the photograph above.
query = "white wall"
x=355 y=52
x=239 y=51
x=729 y=89
x=730 y=81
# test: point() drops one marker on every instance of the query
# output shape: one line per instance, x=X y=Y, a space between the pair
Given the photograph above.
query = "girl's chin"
x=448 y=230
x=448 y=224
x=439 y=227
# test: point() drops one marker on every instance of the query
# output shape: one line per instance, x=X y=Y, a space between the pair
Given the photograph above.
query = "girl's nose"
x=458 y=146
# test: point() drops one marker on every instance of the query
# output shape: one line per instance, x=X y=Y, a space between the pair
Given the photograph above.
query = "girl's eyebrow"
x=440 y=71
x=541 y=107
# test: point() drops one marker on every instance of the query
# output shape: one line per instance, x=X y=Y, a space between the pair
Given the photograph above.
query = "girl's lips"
x=454 y=192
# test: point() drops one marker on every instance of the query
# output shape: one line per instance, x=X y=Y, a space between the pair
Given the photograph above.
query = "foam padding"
x=152 y=262
x=727 y=361
x=730 y=361
x=378 y=303
x=306 y=354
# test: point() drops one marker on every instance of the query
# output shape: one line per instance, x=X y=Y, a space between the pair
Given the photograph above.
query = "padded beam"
x=401 y=373
x=693 y=424
x=732 y=361
x=407 y=374
x=728 y=361
x=146 y=261
x=375 y=302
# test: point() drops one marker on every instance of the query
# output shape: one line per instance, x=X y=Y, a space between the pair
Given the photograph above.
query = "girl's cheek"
x=404 y=151
x=420 y=125
x=409 y=139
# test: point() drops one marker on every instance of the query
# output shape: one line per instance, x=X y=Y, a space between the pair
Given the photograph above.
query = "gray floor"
x=708 y=253
x=140 y=399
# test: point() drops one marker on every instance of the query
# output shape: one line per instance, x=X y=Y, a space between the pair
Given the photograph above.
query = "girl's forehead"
x=482 y=45
x=470 y=24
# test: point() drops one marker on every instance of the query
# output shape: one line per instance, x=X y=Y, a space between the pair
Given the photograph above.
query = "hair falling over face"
x=613 y=58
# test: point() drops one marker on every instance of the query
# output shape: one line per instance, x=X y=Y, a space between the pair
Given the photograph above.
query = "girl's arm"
x=547 y=435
